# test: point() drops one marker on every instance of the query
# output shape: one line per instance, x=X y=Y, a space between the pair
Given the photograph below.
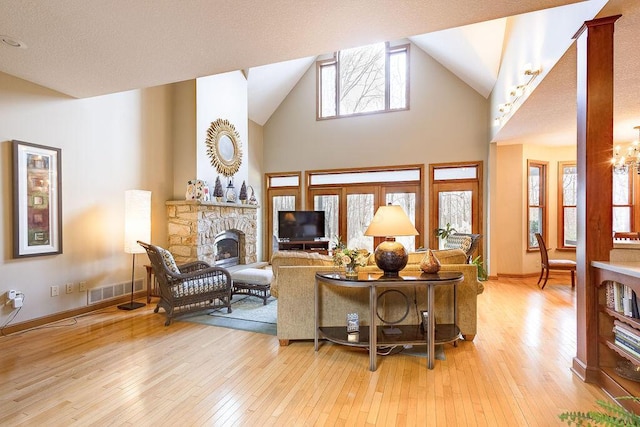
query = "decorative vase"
x=430 y=263
x=350 y=270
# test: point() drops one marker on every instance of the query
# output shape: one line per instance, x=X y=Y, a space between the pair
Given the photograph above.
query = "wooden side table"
x=371 y=336
x=152 y=285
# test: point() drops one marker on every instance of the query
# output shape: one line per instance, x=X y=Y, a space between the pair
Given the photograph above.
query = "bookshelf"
x=618 y=331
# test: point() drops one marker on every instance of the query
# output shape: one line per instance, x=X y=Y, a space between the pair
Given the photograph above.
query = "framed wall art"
x=37 y=200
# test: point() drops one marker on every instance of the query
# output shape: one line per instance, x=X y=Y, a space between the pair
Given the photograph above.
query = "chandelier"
x=630 y=158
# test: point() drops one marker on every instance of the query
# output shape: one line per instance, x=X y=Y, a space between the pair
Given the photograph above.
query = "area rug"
x=248 y=314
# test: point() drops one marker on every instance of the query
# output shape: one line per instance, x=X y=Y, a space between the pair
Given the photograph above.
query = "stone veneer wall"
x=193 y=225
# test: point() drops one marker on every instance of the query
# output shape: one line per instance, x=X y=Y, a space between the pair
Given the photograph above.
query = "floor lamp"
x=137 y=226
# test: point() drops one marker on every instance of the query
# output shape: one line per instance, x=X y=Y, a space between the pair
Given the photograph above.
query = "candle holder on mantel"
x=230 y=194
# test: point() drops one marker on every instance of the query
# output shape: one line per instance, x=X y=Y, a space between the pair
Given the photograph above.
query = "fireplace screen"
x=227 y=249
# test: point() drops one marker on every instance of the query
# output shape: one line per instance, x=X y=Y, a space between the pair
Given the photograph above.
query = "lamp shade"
x=389 y=221
x=137 y=220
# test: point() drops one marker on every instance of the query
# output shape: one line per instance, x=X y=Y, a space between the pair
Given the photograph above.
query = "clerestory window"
x=363 y=80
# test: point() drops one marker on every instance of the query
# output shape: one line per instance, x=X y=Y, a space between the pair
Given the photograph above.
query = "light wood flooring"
x=127 y=368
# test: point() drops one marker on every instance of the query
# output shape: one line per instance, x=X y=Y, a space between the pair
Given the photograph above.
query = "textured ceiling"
x=549 y=115
x=88 y=48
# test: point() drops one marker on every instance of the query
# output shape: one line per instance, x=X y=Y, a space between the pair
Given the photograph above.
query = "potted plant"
x=445 y=232
x=482 y=273
x=217 y=190
x=613 y=415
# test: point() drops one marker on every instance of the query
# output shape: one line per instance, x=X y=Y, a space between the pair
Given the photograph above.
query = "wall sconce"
x=505 y=108
x=622 y=160
x=530 y=70
x=517 y=93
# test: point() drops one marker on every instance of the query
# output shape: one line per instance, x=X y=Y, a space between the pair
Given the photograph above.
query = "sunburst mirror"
x=224 y=147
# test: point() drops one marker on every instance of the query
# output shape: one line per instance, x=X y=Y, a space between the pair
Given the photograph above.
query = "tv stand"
x=318 y=246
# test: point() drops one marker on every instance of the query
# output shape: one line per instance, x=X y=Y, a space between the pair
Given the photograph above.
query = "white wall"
x=447 y=121
x=223 y=96
x=540 y=39
x=109 y=144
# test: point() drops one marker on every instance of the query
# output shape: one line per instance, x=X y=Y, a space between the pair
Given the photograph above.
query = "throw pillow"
x=456 y=241
x=168 y=260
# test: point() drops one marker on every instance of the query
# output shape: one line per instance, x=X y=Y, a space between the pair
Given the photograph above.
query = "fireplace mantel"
x=193 y=225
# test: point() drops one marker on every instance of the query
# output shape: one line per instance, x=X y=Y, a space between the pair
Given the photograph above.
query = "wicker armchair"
x=189 y=287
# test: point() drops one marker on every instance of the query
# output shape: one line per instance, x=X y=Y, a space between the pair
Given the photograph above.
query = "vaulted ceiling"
x=85 y=48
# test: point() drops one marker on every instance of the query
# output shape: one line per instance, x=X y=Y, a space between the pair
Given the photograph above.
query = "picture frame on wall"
x=37 y=200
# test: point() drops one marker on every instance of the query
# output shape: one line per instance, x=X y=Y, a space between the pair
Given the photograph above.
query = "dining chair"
x=547 y=264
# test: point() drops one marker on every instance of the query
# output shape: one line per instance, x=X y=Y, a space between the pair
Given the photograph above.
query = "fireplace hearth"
x=195 y=229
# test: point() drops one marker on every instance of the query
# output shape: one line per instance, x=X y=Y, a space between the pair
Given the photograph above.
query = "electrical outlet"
x=54 y=291
x=82 y=286
x=69 y=288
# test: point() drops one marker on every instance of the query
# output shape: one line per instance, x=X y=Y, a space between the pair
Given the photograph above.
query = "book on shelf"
x=619 y=326
x=622 y=299
x=623 y=345
x=628 y=342
x=631 y=339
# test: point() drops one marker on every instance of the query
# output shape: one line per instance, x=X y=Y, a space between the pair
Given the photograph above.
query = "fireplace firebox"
x=227 y=249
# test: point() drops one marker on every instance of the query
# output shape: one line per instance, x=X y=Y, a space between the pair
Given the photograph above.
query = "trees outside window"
x=363 y=80
x=351 y=197
x=456 y=200
x=283 y=194
x=567 y=215
x=623 y=200
x=537 y=202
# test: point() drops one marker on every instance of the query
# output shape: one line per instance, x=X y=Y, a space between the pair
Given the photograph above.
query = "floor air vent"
x=113 y=291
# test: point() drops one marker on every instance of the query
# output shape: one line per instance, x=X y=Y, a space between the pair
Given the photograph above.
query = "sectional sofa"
x=294 y=280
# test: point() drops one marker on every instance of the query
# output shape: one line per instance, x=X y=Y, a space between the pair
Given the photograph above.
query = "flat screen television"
x=300 y=225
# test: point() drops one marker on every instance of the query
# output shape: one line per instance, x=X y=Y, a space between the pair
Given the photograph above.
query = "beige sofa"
x=293 y=286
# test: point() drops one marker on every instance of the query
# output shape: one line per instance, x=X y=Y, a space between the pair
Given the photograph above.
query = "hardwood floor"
x=126 y=368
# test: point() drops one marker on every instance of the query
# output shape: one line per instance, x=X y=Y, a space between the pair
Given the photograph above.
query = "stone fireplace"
x=196 y=228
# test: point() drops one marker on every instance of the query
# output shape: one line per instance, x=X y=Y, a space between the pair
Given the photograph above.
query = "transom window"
x=362 y=80
x=351 y=197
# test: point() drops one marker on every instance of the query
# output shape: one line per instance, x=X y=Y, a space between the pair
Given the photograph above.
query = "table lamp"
x=388 y=222
x=137 y=226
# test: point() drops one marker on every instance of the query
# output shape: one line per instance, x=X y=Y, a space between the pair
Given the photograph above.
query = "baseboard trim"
x=56 y=317
x=527 y=275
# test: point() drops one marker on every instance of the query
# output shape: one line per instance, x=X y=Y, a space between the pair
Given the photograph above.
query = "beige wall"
x=183 y=116
x=508 y=235
x=255 y=160
x=109 y=144
x=509 y=254
x=448 y=121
